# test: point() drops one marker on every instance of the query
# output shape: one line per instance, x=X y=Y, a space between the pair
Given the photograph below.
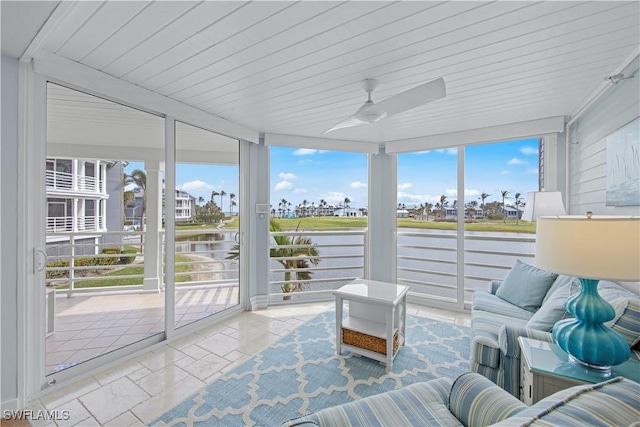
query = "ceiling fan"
x=370 y=112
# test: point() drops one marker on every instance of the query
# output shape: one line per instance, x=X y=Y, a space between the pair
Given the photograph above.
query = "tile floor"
x=138 y=390
x=88 y=325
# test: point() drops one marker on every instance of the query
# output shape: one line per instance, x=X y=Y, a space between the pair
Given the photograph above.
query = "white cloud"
x=357 y=185
x=283 y=185
x=404 y=186
x=300 y=190
x=287 y=176
x=333 y=197
x=471 y=193
x=194 y=186
x=452 y=192
x=517 y=161
x=529 y=151
x=307 y=151
x=410 y=199
x=448 y=150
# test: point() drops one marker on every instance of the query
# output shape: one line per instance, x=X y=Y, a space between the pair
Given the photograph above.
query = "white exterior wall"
x=8 y=231
x=587 y=152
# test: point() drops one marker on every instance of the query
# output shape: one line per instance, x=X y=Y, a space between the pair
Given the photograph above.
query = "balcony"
x=66 y=182
x=64 y=224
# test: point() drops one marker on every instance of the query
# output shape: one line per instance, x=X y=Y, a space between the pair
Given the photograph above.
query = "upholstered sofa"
x=473 y=400
x=530 y=308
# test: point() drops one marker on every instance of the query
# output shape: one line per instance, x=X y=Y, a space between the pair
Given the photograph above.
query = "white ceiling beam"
x=321 y=143
x=84 y=78
x=507 y=132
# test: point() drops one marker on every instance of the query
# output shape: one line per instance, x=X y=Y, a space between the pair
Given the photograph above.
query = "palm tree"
x=304 y=207
x=517 y=196
x=293 y=255
x=428 y=207
x=222 y=194
x=504 y=193
x=483 y=197
x=232 y=201
x=443 y=201
x=139 y=179
x=346 y=205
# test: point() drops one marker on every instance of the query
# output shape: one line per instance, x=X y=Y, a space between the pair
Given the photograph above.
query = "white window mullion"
x=170 y=224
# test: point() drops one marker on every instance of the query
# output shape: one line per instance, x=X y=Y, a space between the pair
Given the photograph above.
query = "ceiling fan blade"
x=347 y=123
x=413 y=98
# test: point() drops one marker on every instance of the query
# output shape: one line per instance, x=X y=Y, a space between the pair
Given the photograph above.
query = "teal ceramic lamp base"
x=587 y=340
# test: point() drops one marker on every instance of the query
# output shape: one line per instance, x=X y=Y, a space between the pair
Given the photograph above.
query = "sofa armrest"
x=476 y=401
x=508 y=339
x=495 y=284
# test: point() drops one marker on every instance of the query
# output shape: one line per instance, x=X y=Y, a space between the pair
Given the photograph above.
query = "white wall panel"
x=619 y=105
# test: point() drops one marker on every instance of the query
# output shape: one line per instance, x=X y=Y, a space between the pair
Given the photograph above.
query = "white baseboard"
x=258 y=302
x=10 y=405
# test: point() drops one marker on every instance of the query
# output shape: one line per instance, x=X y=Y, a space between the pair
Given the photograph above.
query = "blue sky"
x=298 y=174
x=315 y=175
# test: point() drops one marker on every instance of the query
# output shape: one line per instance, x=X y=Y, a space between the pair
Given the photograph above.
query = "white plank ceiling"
x=295 y=67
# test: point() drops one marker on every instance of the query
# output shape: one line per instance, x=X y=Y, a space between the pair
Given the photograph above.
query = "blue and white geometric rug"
x=302 y=373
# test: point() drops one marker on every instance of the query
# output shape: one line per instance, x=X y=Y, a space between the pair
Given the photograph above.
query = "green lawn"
x=126 y=271
x=333 y=223
x=336 y=223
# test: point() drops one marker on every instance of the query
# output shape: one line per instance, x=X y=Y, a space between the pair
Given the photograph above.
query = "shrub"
x=128 y=259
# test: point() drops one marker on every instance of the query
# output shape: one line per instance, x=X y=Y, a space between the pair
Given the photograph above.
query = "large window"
x=436 y=257
x=318 y=220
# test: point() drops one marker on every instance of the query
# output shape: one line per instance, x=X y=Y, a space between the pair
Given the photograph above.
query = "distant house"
x=512 y=213
x=80 y=194
x=185 y=206
x=402 y=213
x=347 y=212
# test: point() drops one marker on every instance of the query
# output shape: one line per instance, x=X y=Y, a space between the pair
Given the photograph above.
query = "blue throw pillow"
x=526 y=286
x=552 y=310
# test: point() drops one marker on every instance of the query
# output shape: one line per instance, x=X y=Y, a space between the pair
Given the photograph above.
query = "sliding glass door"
x=114 y=281
x=207 y=255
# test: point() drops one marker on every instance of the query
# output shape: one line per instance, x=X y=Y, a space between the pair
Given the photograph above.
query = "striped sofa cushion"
x=485 y=328
x=484 y=301
x=610 y=403
x=420 y=404
x=476 y=401
x=629 y=323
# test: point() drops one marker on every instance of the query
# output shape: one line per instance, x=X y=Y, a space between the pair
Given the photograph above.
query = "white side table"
x=377 y=313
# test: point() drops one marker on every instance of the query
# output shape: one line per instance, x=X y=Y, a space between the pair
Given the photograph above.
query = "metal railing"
x=427 y=261
x=298 y=272
x=62 y=224
x=91 y=262
x=340 y=257
x=65 y=181
x=206 y=257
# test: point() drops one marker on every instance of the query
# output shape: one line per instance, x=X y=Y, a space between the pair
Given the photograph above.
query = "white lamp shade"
x=600 y=247
x=543 y=203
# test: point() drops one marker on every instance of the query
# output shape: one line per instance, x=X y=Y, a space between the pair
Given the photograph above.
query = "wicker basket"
x=368 y=342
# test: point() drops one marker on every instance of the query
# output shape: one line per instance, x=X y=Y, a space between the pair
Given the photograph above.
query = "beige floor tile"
x=151 y=409
x=160 y=358
x=206 y=366
x=121 y=370
x=125 y=420
x=69 y=392
x=219 y=344
x=162 y=380
x=74 y=413
x=114 y=399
